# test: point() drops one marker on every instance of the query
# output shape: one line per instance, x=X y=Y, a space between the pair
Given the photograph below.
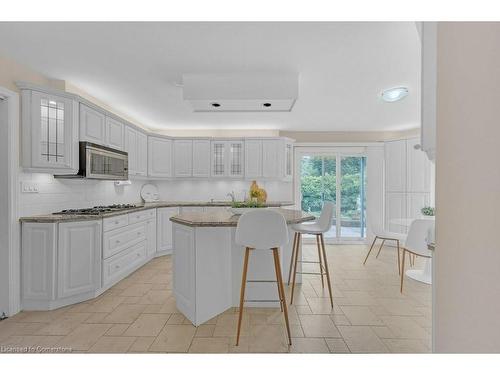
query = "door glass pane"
x=219 y=159
x=236 y=159
x=52 y=130
x=353 y=197
x=318 y=184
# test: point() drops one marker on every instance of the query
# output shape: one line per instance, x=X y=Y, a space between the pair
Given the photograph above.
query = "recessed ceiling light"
x=394 y=94
x=266 y=104
x=215 y=105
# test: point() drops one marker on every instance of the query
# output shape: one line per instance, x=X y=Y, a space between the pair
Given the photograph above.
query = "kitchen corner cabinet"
x=159 y=157
x=227 y=158
x=49 y=132
x=61 y=263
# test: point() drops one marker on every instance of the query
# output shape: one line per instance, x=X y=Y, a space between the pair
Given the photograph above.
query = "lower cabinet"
x=164 y=242
x=61 y=263
x=78 y=258
x=120 y=265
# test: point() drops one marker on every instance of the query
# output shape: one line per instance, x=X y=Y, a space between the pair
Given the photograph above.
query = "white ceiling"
x=134 y=67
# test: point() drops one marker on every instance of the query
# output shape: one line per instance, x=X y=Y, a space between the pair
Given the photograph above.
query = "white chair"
x=262 y=229
x=421 y=230
x=320 y=226
x=381 y=234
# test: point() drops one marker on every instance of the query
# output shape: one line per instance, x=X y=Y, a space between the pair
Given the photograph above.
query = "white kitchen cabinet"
x=136 y=145
x=253 y=158
x=164 y=229
x=418 y=168
x=159 y=157
x=49 y=132
x=273 y=158
x=38 y=257
x=115 y=133
x=201 y=158
x=183 y=157
x=92 y=125
x=395 y=212
x=151 y=237
x=79 y=258
x=130 y=146
x=227 y=158
x=142 y=154
x=395 y=166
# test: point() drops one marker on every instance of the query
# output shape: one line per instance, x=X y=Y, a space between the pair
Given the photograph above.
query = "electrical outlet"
x=29 y=187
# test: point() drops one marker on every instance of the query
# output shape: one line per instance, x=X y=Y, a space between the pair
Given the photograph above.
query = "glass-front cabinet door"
x=228 y=158
x=53 y=135
x=236 y=154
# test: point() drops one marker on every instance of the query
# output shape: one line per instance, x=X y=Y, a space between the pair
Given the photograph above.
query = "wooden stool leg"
x=280 y=285
x=380 y=248
x=402 y=270
x=280 y=296
x=399 y=260
x=299 y=237
x=371 y=247
x=320 y=262
x=326 y=269
x=291 y=258
x=242 y=292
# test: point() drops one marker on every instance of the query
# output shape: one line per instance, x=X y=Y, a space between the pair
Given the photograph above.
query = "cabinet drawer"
x=120 y=239
x=138 y=216
x=119 y=265
x=114 y=222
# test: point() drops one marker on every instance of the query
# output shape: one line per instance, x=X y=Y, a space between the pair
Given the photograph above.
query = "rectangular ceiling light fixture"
x=240 y=92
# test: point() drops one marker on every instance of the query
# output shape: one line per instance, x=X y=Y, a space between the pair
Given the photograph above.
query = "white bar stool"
x=320 y=226
x=262 y=229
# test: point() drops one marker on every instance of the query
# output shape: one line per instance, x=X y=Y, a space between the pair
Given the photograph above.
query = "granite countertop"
x=54 y=218
x=224 y=218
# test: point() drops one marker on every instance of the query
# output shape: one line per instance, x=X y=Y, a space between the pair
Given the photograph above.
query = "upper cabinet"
x=159 y=157
x=136 y=145
x=277 y=158
x=92 y=125
x=253 y=158
x=183 y=158
x=227 y=158
x=115 y=133
x=49 y=132
x=201 y=158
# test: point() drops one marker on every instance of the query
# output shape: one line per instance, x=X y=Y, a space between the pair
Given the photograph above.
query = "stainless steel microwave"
x=100 y=163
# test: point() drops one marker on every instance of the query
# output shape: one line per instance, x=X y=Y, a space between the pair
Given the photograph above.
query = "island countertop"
x=224 y=218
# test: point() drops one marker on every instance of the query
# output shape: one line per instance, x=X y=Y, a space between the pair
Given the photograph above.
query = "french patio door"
x=339 y=177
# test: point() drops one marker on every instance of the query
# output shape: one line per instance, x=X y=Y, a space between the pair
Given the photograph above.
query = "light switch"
x=29 y=187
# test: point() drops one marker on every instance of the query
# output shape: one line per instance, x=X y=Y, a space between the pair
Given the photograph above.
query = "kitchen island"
x=207 y=264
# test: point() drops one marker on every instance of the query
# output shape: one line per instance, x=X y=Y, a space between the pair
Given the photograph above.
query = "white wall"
x=467 y=259
x=4 y=209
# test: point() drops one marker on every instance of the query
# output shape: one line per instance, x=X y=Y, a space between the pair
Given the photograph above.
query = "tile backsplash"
x=58 y=194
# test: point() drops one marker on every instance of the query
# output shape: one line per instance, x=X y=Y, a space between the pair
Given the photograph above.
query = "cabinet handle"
x=117 y=241
x=117 y=266
x=139 y=233
x=138 y=254
x=117 y=222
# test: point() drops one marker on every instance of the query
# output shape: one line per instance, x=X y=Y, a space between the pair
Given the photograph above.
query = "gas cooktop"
x=97 y=210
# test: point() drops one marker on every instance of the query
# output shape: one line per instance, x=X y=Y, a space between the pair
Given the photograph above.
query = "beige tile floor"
x=139 y=315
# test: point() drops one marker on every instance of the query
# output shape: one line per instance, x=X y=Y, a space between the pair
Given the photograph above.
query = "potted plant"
x=427 y=211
